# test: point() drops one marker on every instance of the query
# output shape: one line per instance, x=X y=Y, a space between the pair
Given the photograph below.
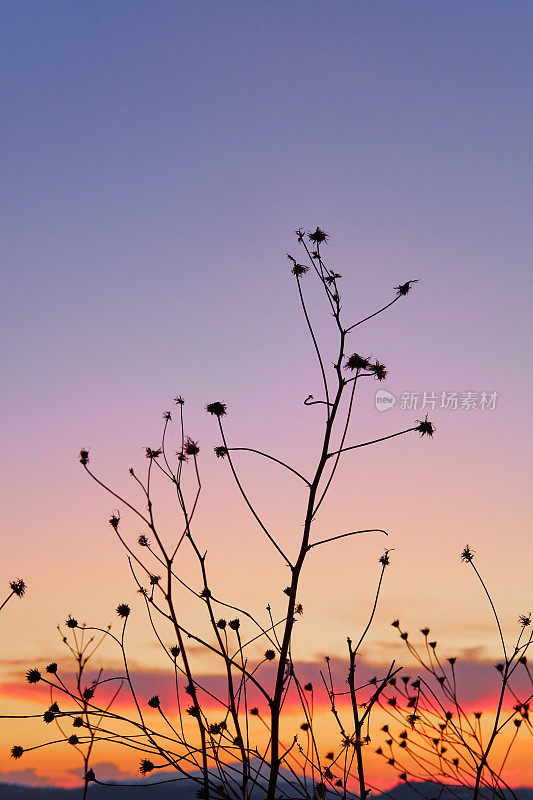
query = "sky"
x=158 y=158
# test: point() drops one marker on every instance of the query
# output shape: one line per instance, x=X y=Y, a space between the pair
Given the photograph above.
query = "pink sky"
x=158 y=164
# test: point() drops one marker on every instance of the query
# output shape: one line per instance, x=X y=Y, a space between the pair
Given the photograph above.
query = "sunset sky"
x=158 y=158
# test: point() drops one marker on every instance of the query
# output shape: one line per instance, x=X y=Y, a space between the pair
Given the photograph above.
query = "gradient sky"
x=157 y=159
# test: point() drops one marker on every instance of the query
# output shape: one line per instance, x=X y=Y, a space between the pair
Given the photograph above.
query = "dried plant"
x=213 y=737
x=441 y=740
x=18 y=588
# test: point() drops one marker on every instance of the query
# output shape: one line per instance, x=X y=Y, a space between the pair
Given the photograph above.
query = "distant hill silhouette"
x=186 y=790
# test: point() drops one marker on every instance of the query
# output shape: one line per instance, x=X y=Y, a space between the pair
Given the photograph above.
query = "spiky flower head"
x=217 y=409
x=143 y=540
x=467 y=555
x=123 y=610
x=146 y=766
x=114 y=520
x=234 y=624
x=52 y=668
x=18 y=587
x=150 y=453
x=221 y=451
x=318 y=236
x=167 y=416
x=153 y=702
x=404 y=288
x=16 y=751
x=299 y=269
x=73 y=739
x=425 y=427
x=33 y=676
x=174 y=651
x=270 y=655
x=380 y=370
x=179 y=400
x=356 y=361
x=71 y=622
x=524 y=620
x=191 y=448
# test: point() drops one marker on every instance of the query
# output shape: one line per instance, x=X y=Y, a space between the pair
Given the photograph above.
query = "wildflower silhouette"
x=18 y=589
x=230 y=747
x=445 y=743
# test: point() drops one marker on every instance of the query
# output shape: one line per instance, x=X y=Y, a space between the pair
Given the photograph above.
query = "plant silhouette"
x=213 y=736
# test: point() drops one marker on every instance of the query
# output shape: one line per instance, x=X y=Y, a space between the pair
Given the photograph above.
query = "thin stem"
x=374 y=441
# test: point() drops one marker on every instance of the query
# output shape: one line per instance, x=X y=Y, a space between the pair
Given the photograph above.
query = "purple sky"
x=157 y=159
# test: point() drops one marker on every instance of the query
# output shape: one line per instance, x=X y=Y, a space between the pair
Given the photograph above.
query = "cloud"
x=24 y=777
x=478 y=684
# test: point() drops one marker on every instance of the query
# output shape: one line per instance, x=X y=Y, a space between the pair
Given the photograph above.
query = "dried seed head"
x=299 y=269
x=217 y=409
x=123 y=610
x=220 y=451
x=356 y=361
x=18 y=587
x=467 y=555
x=425 y=427
x=404 y=288
x=84 y=457
x=114 y=520
x=318 y=236
x=33 y=676
x=380 y=370
x=191 y=448
x=146 y=766
x=150 y=453
x=16 y=751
